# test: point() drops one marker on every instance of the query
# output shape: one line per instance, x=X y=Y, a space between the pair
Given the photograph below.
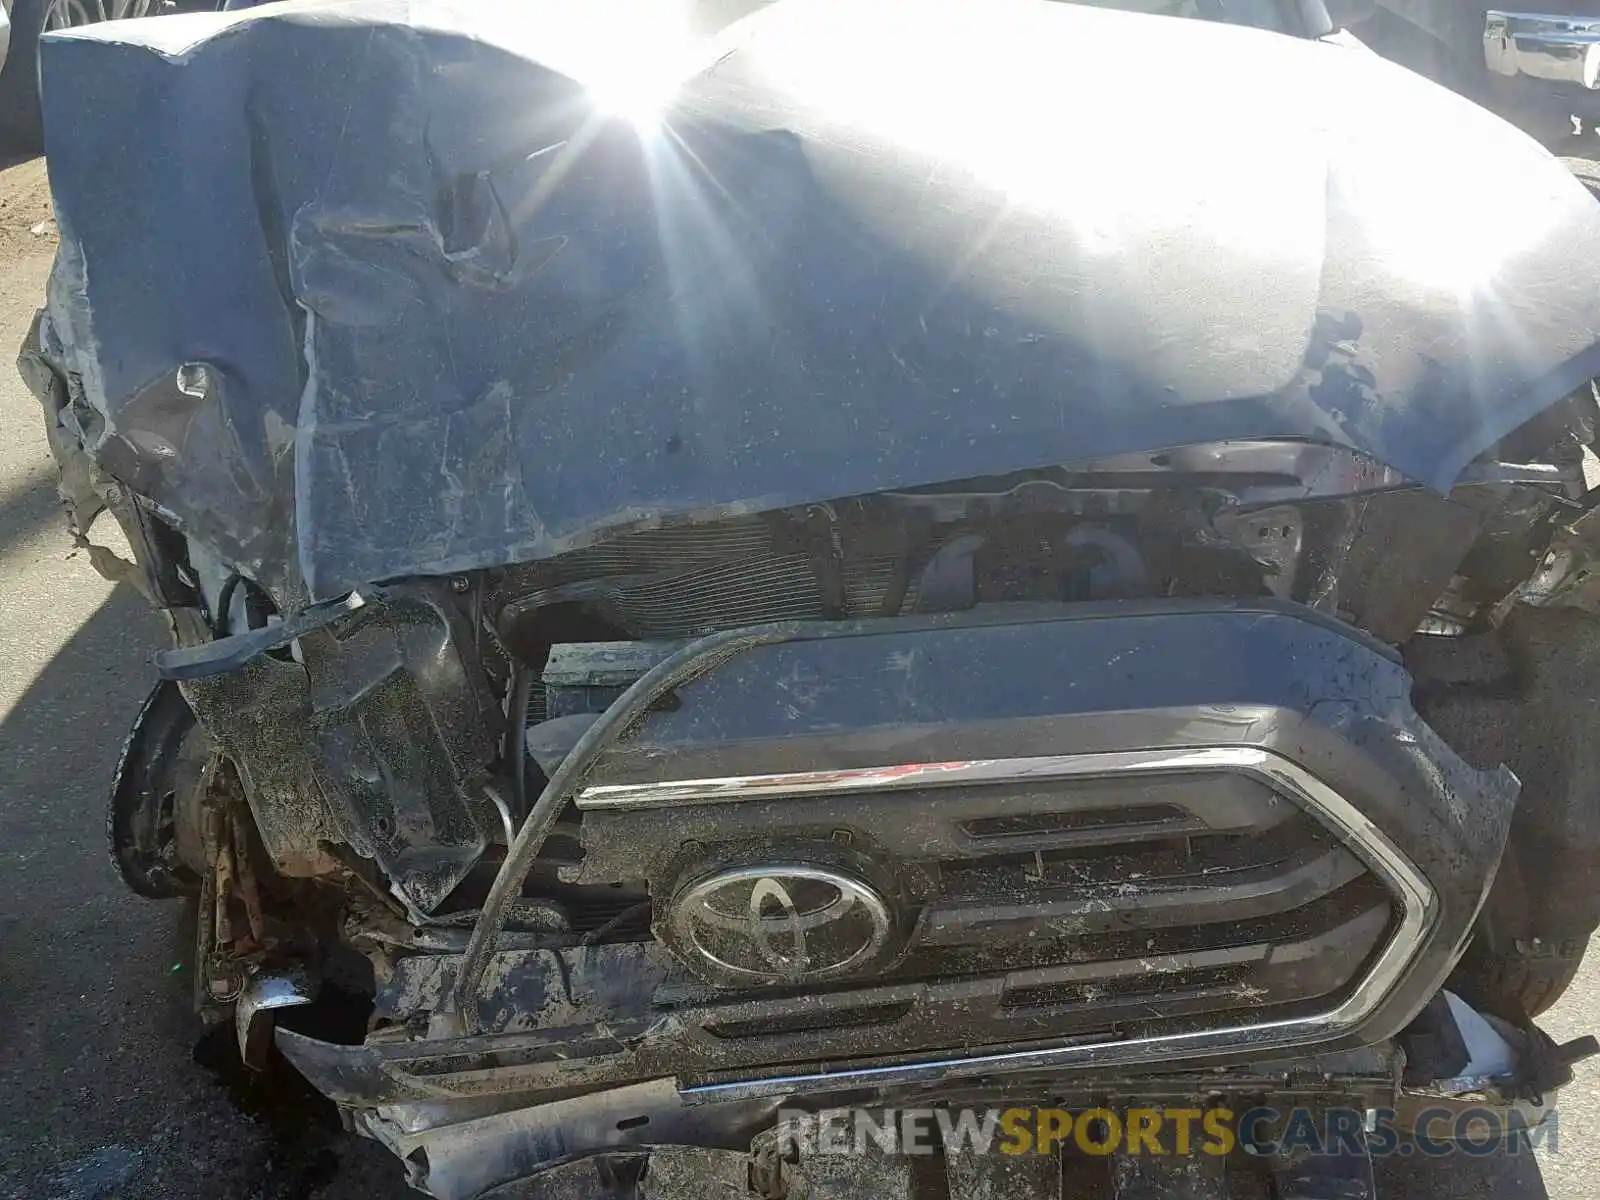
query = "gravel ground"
x=100 y=1094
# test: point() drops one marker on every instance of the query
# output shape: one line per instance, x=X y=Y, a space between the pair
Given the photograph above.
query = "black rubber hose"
x=219 y=619
x=516 y=747
x=672 y=672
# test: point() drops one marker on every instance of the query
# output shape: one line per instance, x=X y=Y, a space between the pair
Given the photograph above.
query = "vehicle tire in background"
x=1508 y=970
x=20 y=129
x=19 y=80
x=1523 y=979
x=1513 y=978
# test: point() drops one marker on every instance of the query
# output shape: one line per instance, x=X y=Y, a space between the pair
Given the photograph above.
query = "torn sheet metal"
x=410 y=294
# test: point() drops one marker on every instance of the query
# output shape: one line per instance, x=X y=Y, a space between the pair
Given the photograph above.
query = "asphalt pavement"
x=104 y=1089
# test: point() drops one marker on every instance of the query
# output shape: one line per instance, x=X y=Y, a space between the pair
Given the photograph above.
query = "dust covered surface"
x=436 y=310
x=27 y=222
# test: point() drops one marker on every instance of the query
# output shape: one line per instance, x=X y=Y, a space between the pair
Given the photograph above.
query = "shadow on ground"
x=100 y=1090
x=28 y=507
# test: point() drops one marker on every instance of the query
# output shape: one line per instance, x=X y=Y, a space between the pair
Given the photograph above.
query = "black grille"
x=1218 y=825
x=1105 y=906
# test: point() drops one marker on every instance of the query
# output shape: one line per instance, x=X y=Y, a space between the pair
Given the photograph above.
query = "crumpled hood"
x=369 y=289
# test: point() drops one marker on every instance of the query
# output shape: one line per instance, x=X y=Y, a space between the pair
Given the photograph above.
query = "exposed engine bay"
x=1040 y=687
x=840 y=837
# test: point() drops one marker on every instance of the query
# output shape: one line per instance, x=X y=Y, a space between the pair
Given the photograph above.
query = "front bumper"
x=1543 y=64
x=1255 y=712
x=487 y=1157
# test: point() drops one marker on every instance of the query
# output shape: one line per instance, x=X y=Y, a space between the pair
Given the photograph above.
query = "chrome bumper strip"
x=1548 y=47
x=906 y=777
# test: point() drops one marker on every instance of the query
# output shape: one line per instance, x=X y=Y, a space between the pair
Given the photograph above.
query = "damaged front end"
x=788 y=604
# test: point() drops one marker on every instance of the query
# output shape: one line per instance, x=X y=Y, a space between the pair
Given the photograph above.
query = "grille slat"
x=1243 y=894
x=1039 y=907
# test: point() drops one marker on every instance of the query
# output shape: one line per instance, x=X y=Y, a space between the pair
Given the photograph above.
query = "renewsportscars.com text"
x=1432 y=1132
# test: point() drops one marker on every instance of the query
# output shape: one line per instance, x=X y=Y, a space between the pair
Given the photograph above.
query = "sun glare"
x=630 y=56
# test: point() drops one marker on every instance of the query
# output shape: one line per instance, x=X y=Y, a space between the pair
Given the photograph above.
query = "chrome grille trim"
x=910 y=776
x=1415 y=896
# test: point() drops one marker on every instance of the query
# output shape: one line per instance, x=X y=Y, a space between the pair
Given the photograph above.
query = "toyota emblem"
x=780 y=923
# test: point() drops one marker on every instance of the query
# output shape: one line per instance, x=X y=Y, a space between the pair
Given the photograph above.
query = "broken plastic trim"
x=673 y=672
x=230 y=653
x=252 y=1012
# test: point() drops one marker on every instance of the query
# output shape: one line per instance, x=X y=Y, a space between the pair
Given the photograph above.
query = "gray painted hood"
x=443 y=310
